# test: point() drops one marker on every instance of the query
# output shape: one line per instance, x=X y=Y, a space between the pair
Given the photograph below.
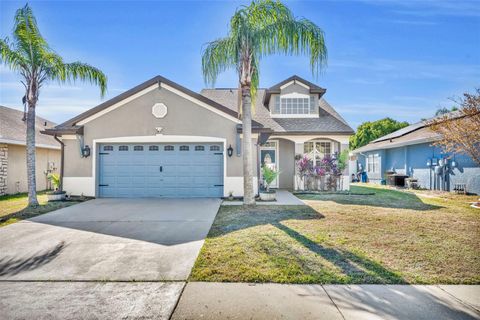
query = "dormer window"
x=291 y=106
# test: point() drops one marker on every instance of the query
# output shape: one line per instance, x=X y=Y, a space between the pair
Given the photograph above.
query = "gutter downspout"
x=62 y=158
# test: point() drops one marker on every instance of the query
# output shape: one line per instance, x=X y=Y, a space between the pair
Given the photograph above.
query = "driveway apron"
x=109 y=240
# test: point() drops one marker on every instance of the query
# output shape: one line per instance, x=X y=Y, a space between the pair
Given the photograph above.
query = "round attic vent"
x=159 y=110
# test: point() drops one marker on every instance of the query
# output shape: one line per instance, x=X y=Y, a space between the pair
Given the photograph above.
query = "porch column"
x=297 y=182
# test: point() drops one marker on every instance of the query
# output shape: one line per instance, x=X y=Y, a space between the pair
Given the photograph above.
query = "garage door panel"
x=157 y=171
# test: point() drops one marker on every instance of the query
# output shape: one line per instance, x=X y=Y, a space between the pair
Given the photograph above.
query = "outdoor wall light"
x=230 y=151
x=86 y=151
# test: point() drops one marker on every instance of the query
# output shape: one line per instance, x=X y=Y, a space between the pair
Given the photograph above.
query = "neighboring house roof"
x=328 y=122
x=413 y=134
x=421 y=135
x=13 y=130
x=71 y=127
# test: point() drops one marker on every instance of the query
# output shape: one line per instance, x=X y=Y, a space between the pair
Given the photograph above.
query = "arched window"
x=199 y=148
x=168 y=148
x=214 y=148
x=107 y=148
x=153 y=148
x=123 y=148
x=138 y=148
x=184 y=148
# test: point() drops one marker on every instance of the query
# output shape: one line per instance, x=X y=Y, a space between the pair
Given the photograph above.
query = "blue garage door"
x=161 y=170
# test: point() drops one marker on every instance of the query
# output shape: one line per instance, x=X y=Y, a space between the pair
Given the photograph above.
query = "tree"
x=369 y=131
x=31 y=57
x=460 y=133
x=445 y=110
x=263 y=28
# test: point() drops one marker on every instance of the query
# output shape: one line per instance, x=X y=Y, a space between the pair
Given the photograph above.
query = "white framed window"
x=317 y=150
x=373 y=163
x=294 y=105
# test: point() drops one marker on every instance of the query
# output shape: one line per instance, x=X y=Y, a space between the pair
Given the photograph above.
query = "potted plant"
x=269 y=175
x=56 y=194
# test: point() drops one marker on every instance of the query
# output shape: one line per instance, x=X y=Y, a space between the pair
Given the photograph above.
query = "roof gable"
x=276 y=89
x=143 y=87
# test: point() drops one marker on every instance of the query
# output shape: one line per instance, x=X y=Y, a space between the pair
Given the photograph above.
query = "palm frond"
x=27 y=36
x=85 y=72
x=11 y=58
x=218 y=56
x=294 y=37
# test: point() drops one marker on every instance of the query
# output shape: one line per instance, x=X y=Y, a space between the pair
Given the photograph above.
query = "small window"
x=123 y=148
x=138 y=148
x=108 y=148
x=153 y=148
x=214 y=148
x=168 y=148
x=199 y=148
x=184 y=148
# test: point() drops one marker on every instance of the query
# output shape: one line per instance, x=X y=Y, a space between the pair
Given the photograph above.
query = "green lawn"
x=14 y=208
x=388 y=237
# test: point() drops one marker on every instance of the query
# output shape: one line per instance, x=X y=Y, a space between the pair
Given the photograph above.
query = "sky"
x=402 y=59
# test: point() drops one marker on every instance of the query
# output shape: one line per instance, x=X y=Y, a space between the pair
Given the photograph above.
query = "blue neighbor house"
x=407 y=156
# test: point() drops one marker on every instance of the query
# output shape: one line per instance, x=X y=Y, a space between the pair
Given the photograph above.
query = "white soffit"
x=294 y=82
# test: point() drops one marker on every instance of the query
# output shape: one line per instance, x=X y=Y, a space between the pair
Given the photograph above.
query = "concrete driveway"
x=109 y=240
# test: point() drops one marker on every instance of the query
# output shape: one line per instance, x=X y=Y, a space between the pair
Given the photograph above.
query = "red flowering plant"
x=304 y=166
x=304 y=170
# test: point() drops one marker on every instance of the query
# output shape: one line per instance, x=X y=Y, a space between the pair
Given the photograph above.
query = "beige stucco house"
x=161 y=139
x=13 y=170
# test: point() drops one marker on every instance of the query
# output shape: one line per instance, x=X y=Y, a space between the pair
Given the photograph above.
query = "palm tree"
x=30 y=56
x=263 y=28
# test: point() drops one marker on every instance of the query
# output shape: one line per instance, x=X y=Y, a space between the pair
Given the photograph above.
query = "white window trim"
x=293 y=115
x=315 y=141
x=311 y=115
x=377 y=167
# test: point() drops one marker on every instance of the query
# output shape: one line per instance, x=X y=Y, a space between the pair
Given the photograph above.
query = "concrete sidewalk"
x=284 y=198
x=279 y=301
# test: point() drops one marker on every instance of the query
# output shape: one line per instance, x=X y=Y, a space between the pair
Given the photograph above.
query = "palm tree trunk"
x=248 y=194
x=32 y=184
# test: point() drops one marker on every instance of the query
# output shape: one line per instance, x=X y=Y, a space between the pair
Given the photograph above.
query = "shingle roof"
x=415 y=126
x=329 y=120
x=420 y=135
x=13 y=129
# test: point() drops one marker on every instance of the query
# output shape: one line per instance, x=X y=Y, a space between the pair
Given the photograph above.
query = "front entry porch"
x=283 y=153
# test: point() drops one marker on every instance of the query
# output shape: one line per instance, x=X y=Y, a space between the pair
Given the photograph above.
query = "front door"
x=269 y=158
